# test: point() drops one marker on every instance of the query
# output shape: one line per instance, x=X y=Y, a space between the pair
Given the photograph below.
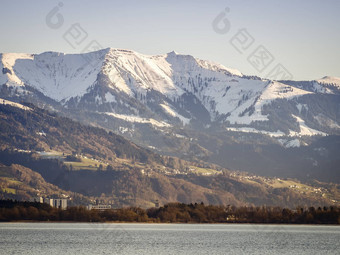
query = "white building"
x=48 y=201
x=60 y=203
x=98 y=207
x=37 y=199
x=54 y=202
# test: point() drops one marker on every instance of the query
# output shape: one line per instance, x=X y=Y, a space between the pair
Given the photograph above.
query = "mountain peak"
x=173 y=53
x=330 y=80
x=121 y=50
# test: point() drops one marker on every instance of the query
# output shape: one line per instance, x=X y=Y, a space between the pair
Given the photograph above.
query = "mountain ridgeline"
x=181 y=106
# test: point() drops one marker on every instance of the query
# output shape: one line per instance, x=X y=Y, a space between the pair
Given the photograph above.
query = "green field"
x=9 y=190
x=203 y=171
x=85 y=164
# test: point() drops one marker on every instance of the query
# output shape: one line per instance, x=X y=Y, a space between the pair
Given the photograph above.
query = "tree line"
x=11 y=210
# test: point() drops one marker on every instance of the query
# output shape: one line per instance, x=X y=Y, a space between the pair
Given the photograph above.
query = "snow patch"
x=323 y=120
x=7 y=102
x=218 y=67
x=124 y=130
x=110 y=98
x=173 y=113
x=57 y=75
x=290 y=143
x=335 y=81
x=138 y=119
x=8 y=61
x=98 y=99
x=253 y=130
x=132 y=72
x=180 y=136
x=304 y=129
x=302 y=106
x=243 y=100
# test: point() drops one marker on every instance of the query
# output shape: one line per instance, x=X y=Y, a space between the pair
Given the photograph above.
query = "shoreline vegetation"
x=18 y=211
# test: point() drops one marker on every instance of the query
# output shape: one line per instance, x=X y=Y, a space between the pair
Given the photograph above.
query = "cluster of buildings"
x=54 y=202
x=98 y=207
x=61 y=203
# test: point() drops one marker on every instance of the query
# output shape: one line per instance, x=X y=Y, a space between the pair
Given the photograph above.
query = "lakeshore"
x=14 y=211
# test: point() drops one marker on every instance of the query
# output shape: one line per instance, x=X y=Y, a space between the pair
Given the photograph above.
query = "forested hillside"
x=99 y=164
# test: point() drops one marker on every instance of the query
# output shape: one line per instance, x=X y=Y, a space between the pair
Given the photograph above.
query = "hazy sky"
x=303 y=36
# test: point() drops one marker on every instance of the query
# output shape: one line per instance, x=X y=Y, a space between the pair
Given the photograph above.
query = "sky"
x=301 y=36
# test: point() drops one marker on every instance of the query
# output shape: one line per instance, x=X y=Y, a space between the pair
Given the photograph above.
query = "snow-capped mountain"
x=170 y=88
x=177 y=104
x=56 y=75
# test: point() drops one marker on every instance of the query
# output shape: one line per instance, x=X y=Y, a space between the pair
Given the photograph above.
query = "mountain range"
x=181 y=106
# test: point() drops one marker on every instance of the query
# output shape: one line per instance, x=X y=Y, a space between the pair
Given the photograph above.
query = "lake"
x=126 y=238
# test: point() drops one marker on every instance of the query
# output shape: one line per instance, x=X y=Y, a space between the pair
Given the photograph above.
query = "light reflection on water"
x=97 y=238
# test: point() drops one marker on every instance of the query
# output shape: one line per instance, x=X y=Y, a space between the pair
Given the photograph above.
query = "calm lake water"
x=93 y=238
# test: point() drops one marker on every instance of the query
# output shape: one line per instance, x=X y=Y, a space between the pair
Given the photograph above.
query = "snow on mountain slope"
x=218 y=67
x=63 y=76
x=330 y=80
x=171 y=75
x=137 y=119
x=173 y=113
x=133 y=73
x=274 y=90
x=304 y=129
x=221 y=90
x=289 y=143
x=235 y=96
x=320 y=88
x=20 y=106
x=7 y=63
x=57 y=75
x=253 y=130
x=326 y=85
x=170 y=86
